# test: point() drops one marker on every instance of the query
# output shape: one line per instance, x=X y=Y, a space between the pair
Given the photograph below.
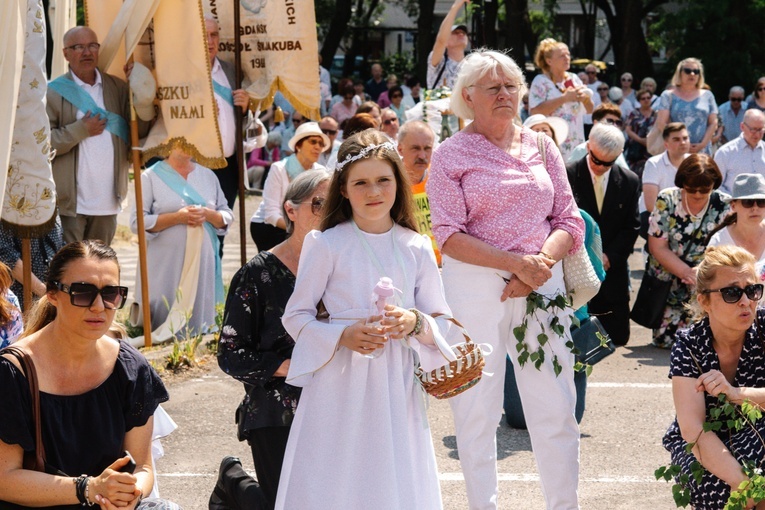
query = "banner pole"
x=26 y=263
x=239 y=135
x=136 y=153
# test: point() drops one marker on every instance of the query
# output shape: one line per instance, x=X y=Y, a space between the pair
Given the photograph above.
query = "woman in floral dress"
x=254 y=347
x=556 y=92
x=639 y=123
x=679 y=227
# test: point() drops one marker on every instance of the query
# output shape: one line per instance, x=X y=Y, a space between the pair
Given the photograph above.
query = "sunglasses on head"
x=748 y=203
x=84 y=294
x=317 y=204
x=600 y=162
x=733 y=294
x=688 y=70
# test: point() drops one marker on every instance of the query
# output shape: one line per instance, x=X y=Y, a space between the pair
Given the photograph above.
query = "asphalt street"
x=629 y=406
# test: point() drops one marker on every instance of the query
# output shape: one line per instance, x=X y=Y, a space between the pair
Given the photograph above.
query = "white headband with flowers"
x=363 y=153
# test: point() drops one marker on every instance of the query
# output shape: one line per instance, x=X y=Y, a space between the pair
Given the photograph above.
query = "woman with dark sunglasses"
x=254 y=347
x=678 y=230
x=690 y=102
x=722 y=353
x=758 y=96
x=97 y=395
x=745 y=226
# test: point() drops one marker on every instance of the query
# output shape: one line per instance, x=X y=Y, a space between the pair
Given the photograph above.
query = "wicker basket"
x=457 y=376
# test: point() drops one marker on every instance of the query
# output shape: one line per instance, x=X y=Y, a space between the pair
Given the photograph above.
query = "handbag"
x=651 y=300
x=592 y=341
x=457 y=376
x=582 y=284
x=654 y=142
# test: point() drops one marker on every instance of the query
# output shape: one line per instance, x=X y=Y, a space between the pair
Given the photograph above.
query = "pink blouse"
x=512 y=204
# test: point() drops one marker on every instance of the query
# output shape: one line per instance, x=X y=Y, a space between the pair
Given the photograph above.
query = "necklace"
x=700 y=214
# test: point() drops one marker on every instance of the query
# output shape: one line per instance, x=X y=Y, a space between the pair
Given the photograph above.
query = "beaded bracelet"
x=418 y=324
x=87 y=492
x=79 y=487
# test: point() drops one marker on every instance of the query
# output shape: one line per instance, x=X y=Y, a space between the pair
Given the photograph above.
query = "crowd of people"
x=467 y=225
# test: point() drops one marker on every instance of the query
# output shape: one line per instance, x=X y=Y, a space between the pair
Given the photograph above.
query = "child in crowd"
x=360 y=437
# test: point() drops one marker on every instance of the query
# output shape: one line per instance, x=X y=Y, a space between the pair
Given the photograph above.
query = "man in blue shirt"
x=731 y=116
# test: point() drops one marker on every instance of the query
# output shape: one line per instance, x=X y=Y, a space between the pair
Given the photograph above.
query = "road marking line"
x=662 y=386
x=459 y=477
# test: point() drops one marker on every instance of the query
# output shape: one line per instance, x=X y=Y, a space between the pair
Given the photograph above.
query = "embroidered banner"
x=29 y=202
x=279 y=50
x=63 y=14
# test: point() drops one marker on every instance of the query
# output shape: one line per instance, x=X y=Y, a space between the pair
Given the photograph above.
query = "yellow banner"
x=279 y=50
x=99 y=16
x=181 y=66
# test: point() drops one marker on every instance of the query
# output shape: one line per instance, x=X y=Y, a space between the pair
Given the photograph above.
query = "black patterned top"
x=253 y=342
x=696 y=342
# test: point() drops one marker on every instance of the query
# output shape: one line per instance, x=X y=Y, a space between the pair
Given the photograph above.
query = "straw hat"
x=144 y=88
x=748 y=186
x=304 y=131
x=558 y=125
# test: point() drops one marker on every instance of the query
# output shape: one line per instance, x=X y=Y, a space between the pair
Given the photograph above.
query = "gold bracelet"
x=546 y=255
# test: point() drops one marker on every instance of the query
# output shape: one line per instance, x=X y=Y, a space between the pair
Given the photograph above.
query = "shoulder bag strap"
x=27 y=365
x=441 y=72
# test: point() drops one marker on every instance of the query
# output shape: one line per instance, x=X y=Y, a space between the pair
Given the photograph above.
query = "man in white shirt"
x=89 y=112
x=745 y=154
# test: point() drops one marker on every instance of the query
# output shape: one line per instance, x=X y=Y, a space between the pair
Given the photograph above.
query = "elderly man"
x=745 y=154
x=329 y=127
x=609 y=193
x=415 y=145
x=389 y=124
x=731 y=115
x=448 y=50
x=89 y=112
x=607 y=113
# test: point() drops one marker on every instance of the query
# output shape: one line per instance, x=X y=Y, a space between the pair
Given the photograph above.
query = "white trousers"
x=473 y=294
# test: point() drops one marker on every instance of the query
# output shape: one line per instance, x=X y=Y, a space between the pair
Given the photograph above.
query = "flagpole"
x=26 y=263
x=136 y=152
x=239 y=136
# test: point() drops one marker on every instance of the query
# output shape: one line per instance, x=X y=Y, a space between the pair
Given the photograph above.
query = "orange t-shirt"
x=422 y=213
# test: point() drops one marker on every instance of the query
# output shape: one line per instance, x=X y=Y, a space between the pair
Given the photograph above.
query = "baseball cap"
x=462 y=27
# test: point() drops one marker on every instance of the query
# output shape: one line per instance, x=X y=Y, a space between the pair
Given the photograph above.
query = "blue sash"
x=189 y=195
x=293 y=167
x=81 y=100
x=224 y=92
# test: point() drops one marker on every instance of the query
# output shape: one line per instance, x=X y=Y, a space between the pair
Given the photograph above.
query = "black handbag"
x=651 y=301
x=588 y=340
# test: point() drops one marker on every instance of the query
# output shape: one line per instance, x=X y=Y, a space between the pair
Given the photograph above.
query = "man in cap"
x=89 y=112
x=448 y=50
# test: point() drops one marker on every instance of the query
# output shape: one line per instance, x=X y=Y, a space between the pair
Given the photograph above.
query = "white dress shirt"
x=738 y=157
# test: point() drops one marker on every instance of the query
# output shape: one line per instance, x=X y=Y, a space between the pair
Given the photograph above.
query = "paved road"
x=629 y=406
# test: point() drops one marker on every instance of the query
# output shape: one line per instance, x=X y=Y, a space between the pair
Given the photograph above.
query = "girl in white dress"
x=360 y=437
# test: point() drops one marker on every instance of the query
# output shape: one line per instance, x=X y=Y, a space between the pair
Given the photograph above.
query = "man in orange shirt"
x=415 y=145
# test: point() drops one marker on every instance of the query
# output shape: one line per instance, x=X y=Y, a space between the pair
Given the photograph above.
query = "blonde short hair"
x=676 y=79
x=544 y=51
x=716 y=258
x=480 y=63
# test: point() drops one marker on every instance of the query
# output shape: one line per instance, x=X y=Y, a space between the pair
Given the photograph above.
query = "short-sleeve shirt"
x=82 y=434
x=448 y=77
x=543 y=89
x=694 y=114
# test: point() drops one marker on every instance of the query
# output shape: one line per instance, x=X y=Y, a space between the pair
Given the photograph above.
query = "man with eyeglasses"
x=607 y=113
x=329 y=127
x=731 y=114
x=745 y=154
x=609 y=193
x=292 y=124
x=89 y=113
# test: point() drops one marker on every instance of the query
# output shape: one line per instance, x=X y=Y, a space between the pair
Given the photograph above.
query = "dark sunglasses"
x=733 y=294
x=748 y=203
x=84 y=294
x=612 y=122
x=388 y=122
x=600 y=162
x=737 y=99
x=688 y=70
x=394 y=96
x=329 y=132
x=626 y=79
x=603 y=89
x=317 y=204
x=759 y=89
x=694 y=191
x=591 y=72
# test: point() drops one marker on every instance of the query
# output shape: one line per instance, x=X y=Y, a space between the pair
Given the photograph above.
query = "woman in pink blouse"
x=504 y=221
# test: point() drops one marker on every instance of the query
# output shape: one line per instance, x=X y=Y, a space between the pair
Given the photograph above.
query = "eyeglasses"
x=736 y=99
x=612 y=122
x=748 y=203
x=697 y=191
x=388 y=122
x=329 y=132
x=591 y=72
x=394 y=96
x=733 y=294
x=760 y=89
x=317 y=204
x=93 y=47
x=626 y=79
x=494 y=90
x=754 y=130
x=297 y=121
x=600 y=162
x=689 y=70
x=602 y=89
x=84 y=294
x=644 y=98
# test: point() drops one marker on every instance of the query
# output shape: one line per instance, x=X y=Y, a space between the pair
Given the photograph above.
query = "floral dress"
x=694 y=114
x=686 y=235
x=543 y=89
x=13 y=328
x=637 y=153
x=695 y=345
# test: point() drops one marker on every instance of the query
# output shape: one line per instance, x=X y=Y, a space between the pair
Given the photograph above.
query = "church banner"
x=279 y=50
x=63 y=14
x=29 y=202
x=185 y=95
